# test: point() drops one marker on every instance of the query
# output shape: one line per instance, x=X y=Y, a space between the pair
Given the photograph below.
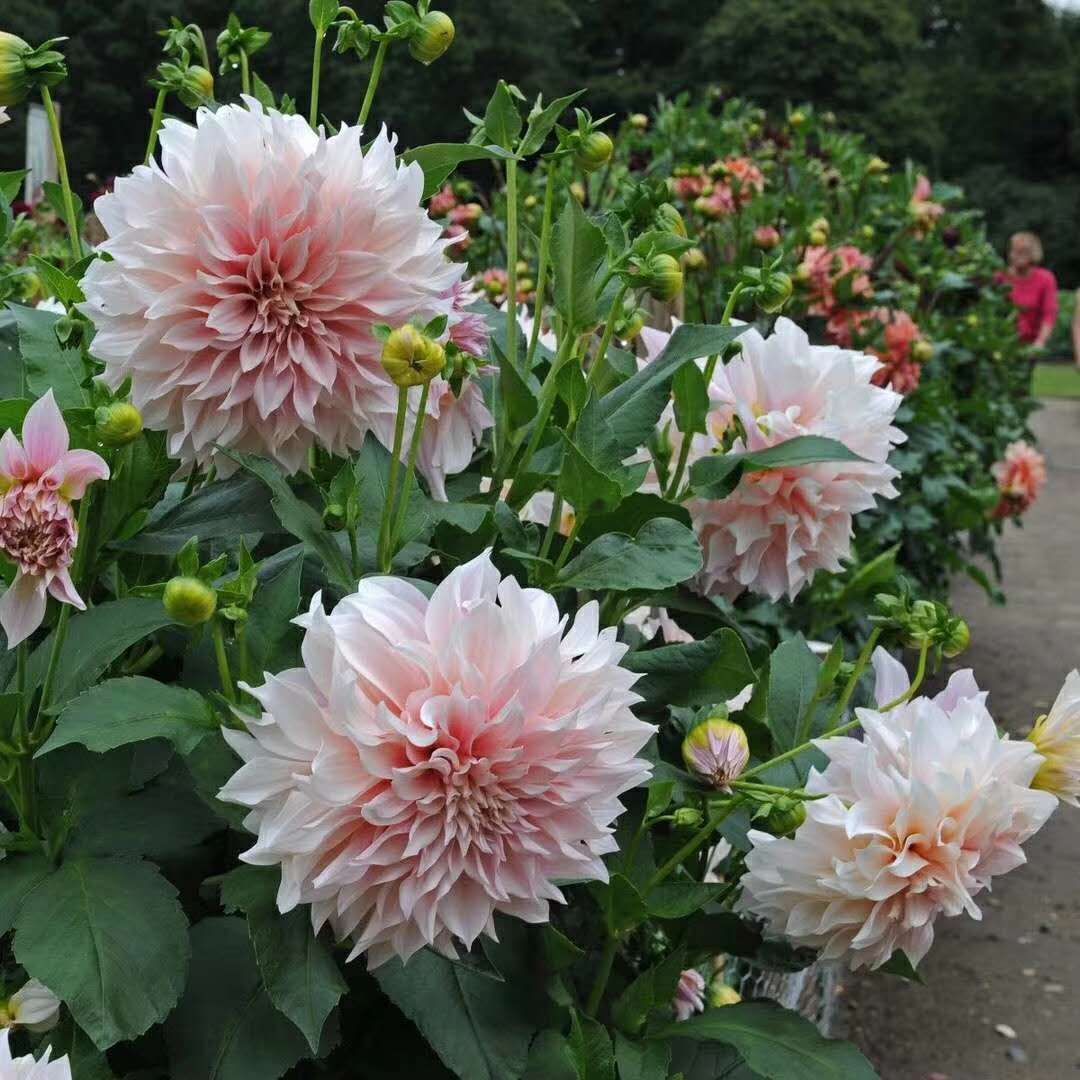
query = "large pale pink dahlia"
x=917 y=818
x=247 y=272
x=38 y=479
x=438 y=760
x=778 y=528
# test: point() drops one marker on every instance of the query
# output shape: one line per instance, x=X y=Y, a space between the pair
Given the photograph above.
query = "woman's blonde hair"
x=1034 y=244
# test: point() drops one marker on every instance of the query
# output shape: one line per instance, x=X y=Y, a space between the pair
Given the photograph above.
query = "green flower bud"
x=634 y=324
x=638 y=121
x=720 y=994
x=577 y=189
x=922 y=351
x=876 y=166
x=670 y=220
x=797 y=118
x=717 y=751
x=821 y=224
x=687 y=817
x=197 y=88
x=774 y=292
x=432 y=37
x=529 y=202
x=410 y=358
x=957 y=638
x=818 y=238
x=594 y=152
x=189 y=600
x=868 y=232
x=14 y=76
x=663 y=277
x=118 y=424
x=784 y=821
x=334 y=517
x=694 y=259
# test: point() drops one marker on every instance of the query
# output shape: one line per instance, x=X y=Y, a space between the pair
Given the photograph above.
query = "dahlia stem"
x=680 y=465
x=155 y=125
x=920 y=674
x=856 y=675
x=245 y=73
x=568 y=545
x=698 y=840
x=20 y=689
x=410 y=469
x=316 y=70
x=385 y=560
x=607 y=961
x=373 y=81
x=542 y=270
x=203 y=51
x=61 y=167
x=354 y=553
x=222 y=657
x=512 y=332
x=597 y=368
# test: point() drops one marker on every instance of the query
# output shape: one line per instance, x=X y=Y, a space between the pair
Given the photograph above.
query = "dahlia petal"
x=74 y=471
x=44 y=433
x=22 y=607
x=63 y=588
x=14 y=464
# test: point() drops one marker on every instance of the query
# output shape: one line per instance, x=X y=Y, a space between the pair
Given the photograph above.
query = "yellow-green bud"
x=972 y=319
x=14 y=77
x=922 y=351
x=687 y=817
x=577 y=189
x=797 y=118
x=334 y=516
x=774 y=292
x=785 y=822
x=595 y=151
x=522 y=267
x=868 y=232
x=529 y=202
x=720 y=994
x=820 y=223
x=198 y=87
x=638 y=121
x=670 y=220
x=717 y=751
x=118 y=424
x=694 y=259
x=189 y=600
x=633 y=326
x=432 y=37
x=525 y=284
x=753 y=130
x=957 y=639
x=818 y=237
x=876 y=166
x=410 y=358
x=663 y=277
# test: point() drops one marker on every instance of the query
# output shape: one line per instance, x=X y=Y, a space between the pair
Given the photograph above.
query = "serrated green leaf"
x=541 y=124
x=64 y=288
x=663 y=554
x=698 y=673
x=677 y=899
x=502 y=119
x=793 y=678
x=47 y=365
x=439 y=160
x=577 y=253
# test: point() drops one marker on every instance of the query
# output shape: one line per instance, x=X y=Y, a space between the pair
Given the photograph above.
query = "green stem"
x=725 y=320
x=552 y=525
x=65 y=182
x=597 y=368
x=698 y=840
x=395 y=464
x=569 y=542
x=203 y=52
x=542 y=270
x=607 y=961
x=148 y=659
x=354 y=553
x=502 y=430
x=245 y=72
x=228 y=688
x=920 y=674
x=20 y=688
x=680 y=465
x=373 y=81
x=155 y=125
x=856 y=675
x=316 y=70
x=410 y=469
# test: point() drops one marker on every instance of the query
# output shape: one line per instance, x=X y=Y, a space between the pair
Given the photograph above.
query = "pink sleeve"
x=1049 y=305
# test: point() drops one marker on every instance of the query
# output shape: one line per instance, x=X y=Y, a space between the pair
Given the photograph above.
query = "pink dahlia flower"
x=922 y=207
x=890 y=335
x=689 y=994
x=442 y=202
x=745 y=178
x=452 y=431
x=778 y=528
x=247 y=273
x=1020 y=476
x=469 y=330
x=439 y=760
x=39 y=478
x=833 y=274
x=916 y=820
x=721 y=202
x=28 y=1067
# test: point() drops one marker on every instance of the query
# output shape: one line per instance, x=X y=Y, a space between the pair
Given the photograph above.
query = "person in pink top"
x=1034 y=289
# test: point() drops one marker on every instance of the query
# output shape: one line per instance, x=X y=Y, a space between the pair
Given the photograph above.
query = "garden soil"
x=1002 y=996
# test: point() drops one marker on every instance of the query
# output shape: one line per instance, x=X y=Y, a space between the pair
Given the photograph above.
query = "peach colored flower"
x=828 y=272
x=247 y=274
x=745 y=179
x=1056 y=737
x=689 y=187
x=779 y=527
x=719 y=203
x=922 y=207
x=39 y=478
x=438 y=760
x=459 y=240
x=689 y=994
x=28 y=1067
x=442 y=202
x=1020 y=476
x=469 y=329
x=917 y=818
x=887 y=333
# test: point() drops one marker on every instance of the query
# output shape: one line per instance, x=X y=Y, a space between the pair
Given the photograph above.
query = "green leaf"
x=899 y=964
x=697 y=673
x=94 y=640
x=12 y=413
x=551 y=1058
x=298 y=970
x=10 y=182
x=577 y=252
x=559 y=951
x=776 y=1043
x=718 y=475
x=652 y=989
x=121 y=711
x=55 y=194
x=479 y=1027
x=591 y=1046
x=583 y=485
x=502 y=120
x=300 y=519
x=140 y=472
x=47 y=365
x=269 y=625
x=664 y=553
x=226 y=1027
x=641 y=1060
x=677 y=899
x=439 y=160
x=109 y=937
x=691 y=399
x=793 y=677
x=225 y=510
x=19 y=876
x=621 y=904
x=632 y=513
x=322 y=13
x=542 y=120
x=64 y=288
x=521 y=391
x=659 y=797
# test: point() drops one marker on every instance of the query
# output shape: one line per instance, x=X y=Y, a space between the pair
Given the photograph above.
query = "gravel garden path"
x=1002 y=996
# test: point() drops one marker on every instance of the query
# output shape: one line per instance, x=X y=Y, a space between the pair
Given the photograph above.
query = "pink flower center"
x=37 y=528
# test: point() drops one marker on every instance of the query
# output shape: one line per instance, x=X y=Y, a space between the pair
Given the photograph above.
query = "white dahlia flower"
x=29 y=1068
x=1057 y=737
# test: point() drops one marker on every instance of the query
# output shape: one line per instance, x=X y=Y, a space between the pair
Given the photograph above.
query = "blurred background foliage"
x=985 y=93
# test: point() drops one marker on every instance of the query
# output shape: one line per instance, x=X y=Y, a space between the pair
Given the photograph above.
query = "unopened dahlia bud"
x=118 y=424
x=957 y=638
x=922 y=351
x=639 y=121
x=868 y=232
x=189 y=600
x=432 y=37
x=663 y=277
x=820 y=225
x=797 y=118
x=876 y=166
x=334 y=517
x=198 y=87
x=577 y=189
x=818 y=237
x=529 y=202
x=687 y=817
x=634 y=324
x=720 y=994
x=717 y=751
x=783 y=821
x=694 y=259
x=774 y=292
x=594 y=152
x=766 y=237
x=670 y=220
x=22 y=68
x=410 y=358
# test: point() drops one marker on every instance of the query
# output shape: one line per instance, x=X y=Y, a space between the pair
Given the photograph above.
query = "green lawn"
x=1057 y=381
